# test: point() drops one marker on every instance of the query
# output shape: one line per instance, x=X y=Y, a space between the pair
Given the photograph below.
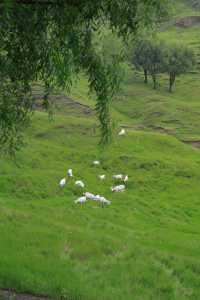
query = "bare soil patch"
x=187 y=22
x=195 y=144
x=62 y=103
x=13 y=295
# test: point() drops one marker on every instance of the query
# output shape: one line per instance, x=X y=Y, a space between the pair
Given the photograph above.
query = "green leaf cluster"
x=155 y=57
x=51 y=41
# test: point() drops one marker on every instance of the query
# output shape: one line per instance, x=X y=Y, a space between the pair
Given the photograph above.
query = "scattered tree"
x=140 y=57
x=156 y=60
x=179 y=60
x=148 y=55
x=156 y=57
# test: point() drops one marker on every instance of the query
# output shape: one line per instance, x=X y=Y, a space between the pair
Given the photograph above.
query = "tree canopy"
x=148 y=54
x=51 y=41
x=178 y=60
x=154 y=57
x=141 y=55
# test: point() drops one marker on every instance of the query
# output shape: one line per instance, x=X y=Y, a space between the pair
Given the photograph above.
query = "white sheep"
x=118 y=177
x=96 y=162
x=88 y=195
x=80 y=184
x=62 y=182
x=122 y=132
x=70 y=173
x=118 y=188
x=101 y=199
x=125 y=178
x=92 y=196
x=102 y=177
x=104 y=201
x=96 y=198
x=80 y=200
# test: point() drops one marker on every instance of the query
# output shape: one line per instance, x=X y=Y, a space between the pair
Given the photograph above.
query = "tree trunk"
x=154 y=81
x=170 y=83
x=145 y=77
x=172 y=78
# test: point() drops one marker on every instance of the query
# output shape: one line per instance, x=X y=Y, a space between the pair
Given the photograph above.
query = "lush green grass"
x=144 y=246
x=189 y=37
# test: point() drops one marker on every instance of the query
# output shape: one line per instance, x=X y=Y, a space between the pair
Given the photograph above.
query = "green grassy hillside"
x=176 y=114
x=145 y=245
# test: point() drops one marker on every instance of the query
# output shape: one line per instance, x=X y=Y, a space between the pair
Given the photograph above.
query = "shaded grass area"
x=144 y=246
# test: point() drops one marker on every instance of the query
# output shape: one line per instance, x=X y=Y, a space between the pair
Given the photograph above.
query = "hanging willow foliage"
x=50 y=41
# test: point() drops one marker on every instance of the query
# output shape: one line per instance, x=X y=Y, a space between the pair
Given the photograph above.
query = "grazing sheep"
x=88 y=195
x=122 y=132
x=102 y=177
x=104 y=201
x=80 y=184
x=126 y=178
x=70 y=173
x=97 y=198
x=96 y=163
x=101 y=199
x=118 y=177
x=80 y=200
x=62 y=182
x=118 y=188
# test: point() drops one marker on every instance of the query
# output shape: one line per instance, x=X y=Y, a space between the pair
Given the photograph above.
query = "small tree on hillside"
x=156 y=60
x=148 y=55
x=140 y=57
x=179 y=60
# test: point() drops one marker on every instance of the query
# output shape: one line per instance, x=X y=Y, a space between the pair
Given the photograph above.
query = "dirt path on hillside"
x=187 y=22
x=195 y=144
x=63 y=100
x=162 y=130
x=63 y=104
x=13 y=295
x=183 y=23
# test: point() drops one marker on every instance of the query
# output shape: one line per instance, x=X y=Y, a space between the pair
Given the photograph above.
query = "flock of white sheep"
x=123 y=179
